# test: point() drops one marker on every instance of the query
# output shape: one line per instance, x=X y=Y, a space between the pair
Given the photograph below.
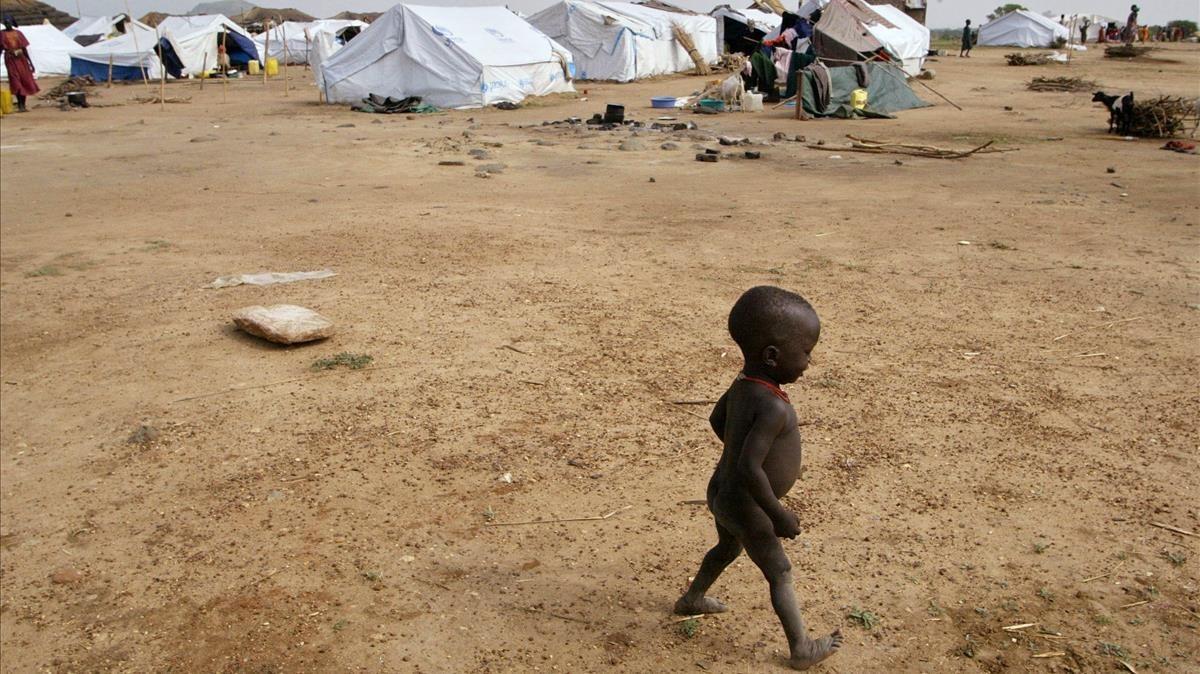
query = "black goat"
x=1120 y=111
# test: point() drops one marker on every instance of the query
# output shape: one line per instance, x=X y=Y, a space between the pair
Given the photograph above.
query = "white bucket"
x=753 y=102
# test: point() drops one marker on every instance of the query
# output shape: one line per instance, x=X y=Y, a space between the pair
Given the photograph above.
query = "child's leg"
x=767 y=552
x=720 y=556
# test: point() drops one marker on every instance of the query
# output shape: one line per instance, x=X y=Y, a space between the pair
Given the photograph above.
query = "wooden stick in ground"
x=110 y=57
x=224 y=70
x=1096 y=327
x=266 y=53
x=935 y=91
x=162 y=80
x=138 y=50
x=567 y=519
x=283 y=36
x=203 y=70
x=307 y=50
x=1168 y=527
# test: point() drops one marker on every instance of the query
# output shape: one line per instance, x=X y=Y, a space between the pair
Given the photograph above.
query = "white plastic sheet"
x=268 y=278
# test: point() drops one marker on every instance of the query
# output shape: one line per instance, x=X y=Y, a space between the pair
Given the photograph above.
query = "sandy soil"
x=991 y=428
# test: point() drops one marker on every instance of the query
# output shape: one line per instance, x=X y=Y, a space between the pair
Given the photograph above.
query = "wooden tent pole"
x=162 y=78
x=266 y=53
x=203 y=70
x=110 y=64
x=224 y=68
x=138 y=50
x=283 y=36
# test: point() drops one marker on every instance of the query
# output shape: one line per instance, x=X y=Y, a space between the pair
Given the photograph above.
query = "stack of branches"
x=1161 y=117
x=155 y=99
x=68 y=85
x=885 y=147
x=731 y=62
x=1019 y=59
x=770 y=6
x=685 y=40
x=1126 y=51
x=1061 y=84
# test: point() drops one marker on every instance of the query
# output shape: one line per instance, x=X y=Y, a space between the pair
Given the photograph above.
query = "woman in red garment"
x=15 y=48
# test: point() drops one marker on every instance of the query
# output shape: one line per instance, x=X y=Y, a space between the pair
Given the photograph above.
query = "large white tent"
x=906 y=39
x=130 y=55
x=89 y=29
x=1021 y=28
x=622 y=41
x=300 y=37
x=188 y=45
x=452 y=57
x=49 y=49
x=191 y=43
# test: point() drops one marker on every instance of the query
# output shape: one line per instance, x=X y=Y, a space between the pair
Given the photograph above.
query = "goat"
x=1120 y=111
x=733 y=91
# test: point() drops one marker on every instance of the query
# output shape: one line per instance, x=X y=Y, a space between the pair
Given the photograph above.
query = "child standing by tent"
x=967 y=42
x=15 y=46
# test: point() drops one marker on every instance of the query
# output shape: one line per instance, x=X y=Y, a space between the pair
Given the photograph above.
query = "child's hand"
x=787 y=525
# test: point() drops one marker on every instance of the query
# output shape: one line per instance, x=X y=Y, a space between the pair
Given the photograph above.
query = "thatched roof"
x=152 y=19
x=264 y=14
x=360 y=16
x=31 y=12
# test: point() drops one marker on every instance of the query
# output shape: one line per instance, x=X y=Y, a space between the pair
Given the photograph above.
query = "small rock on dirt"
x=631 y=145
x=479 y=153
x=283 y=323
x=652 y=179
x=545 y=143
x=492 y=168
x=669 y=146
x=346 y=126
x=705 y=157
x=452 y=163
x=779 y=135
x=143 y=435
x=66 y=576
x=927 y=74
x=1110 y=169
x=203 y=139
x=750 y=154
x=728 y=140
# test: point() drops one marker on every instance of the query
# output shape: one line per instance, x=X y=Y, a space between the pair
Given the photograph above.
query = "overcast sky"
x=942 y=13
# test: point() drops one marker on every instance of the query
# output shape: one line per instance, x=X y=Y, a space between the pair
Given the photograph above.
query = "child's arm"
x=767 y=426
x=717 y=418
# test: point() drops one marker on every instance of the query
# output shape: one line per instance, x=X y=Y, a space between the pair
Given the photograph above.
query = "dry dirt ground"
x=991 y=428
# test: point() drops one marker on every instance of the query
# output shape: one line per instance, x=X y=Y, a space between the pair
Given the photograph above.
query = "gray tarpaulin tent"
x=887 y=92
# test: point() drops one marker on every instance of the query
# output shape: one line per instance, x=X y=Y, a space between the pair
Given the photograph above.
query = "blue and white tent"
x=185 y=45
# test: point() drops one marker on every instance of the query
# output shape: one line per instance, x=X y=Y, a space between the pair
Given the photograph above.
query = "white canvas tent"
x=192 y=43
x=49 y=49
x=622 y=41
x=907 y=39
x=1021 y=28
x=188 y=45
x=452 y=57
x=299 y=47
x=131 y=54
x=89 y=29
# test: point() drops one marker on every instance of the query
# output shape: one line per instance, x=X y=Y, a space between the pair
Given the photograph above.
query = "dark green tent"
x=887 y=92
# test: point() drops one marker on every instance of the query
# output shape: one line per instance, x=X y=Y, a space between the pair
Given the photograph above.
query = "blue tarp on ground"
x=99 y=71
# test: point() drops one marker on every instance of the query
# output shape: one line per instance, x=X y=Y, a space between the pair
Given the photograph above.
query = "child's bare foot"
x=813 y=652
x=687 y=606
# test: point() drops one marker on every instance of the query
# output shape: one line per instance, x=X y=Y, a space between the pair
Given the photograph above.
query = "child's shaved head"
x=766 y=315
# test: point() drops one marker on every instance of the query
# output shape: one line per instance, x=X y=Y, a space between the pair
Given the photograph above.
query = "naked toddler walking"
x=776 y=331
